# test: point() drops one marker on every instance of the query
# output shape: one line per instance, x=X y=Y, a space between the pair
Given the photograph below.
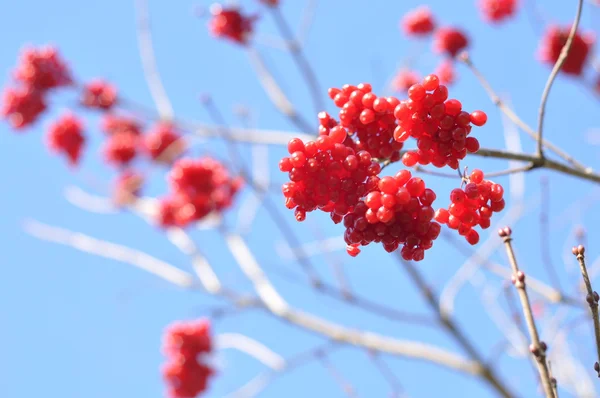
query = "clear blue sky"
x=75 y=326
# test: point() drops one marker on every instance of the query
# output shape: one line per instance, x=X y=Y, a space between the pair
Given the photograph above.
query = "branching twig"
x=564 y=52
x=538 y=348
x=592 y=299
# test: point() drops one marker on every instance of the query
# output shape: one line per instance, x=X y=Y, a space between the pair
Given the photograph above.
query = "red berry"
x=450 y=41
x=418 y=22
x=478 y=118
x=230 y=23
x=66 y=136
x=497 y=10
x=552 y=43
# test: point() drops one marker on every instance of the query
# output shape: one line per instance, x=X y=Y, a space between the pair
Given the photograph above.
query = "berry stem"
x=546 y=93
x=591 y=298
x=537 y=347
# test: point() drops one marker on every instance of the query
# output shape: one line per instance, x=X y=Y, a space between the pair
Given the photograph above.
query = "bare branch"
x=251 y=347
x=537 y=347
x=564 y=52
x=157 y=90
x=110 y=250
x=592 y=299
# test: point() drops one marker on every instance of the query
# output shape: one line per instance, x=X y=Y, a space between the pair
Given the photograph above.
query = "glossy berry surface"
x=398 y=213
x=472 y=206
x=440 y=126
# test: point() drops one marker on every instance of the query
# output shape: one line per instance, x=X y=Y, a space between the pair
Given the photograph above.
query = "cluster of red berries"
x=230 y=23
x=368 y=118
x=198 y=188
x=418 y=22
x=123 y=140
x=404 y=79
x=439 y=125
x=163 y=143
x=398 y=212
x=553 y=41
x=65 y=135
x=446 y=40
x=327 y=175
x=99 y=94
x=38 y=71
x=472 y=206
x=127 y=187
x=340 y=175
x=497 y=10
x=186 y=345
x=271 y=3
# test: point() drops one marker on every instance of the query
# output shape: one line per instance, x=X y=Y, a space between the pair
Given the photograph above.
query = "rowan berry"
x=418 y=22
x=121 y=148
x=553 y=41
x=163 y=143
x=497 y=10
x=404 y=79
x=42 y=69
x=99 y=94
x=22 y=106
x=229 y=23
x=450 y=41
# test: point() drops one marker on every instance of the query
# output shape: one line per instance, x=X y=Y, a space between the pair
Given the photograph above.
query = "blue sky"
x=75 y=325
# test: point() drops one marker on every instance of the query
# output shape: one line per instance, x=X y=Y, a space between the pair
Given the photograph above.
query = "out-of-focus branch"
x=275 y=93
x=487 y=373
x=465 y=58
x=144 y=34
x=251 y=347
x=537 y=347
x=279 y=307
x=298 y=55
x=345 y=385
x=110 y=250
x=592 y=299
x=564 y=52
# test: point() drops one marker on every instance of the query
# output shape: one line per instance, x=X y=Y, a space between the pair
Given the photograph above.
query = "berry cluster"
x=439 y=125
x=418 y=22
x=65 y=135
x=163 y=143
x=472 y=206
x=198 y=187
x=270 y=3
x=398 y=212
x=186 y=344
x=123 y=139
x=99 y=94
x=326 y=175
x=450 y=41
x=552 y=43
x=404 y=79
x=368 y=118
x=38 y=72
x=445 y=72
x=497 y=10
x=230 y=23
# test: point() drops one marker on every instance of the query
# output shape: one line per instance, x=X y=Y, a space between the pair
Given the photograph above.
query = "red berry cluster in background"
x=163 y=143
x=397 y=213
x=230 y=23
x=472 y=206
x=552 y=43
x=127 y=187
x=65 y=136
x=271 y=3
x=38 y=72
x=450 y=41
x=418 y=22
x=368 y=118
x=439 y=125
x=404 y=79
x=338 y=172
x=327 y=175
x=198 y=187
x=445 y=72
x=99 y=94
x=497 y=10
x=186 y=344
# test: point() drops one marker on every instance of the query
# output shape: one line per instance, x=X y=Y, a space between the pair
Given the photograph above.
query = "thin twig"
x=564 y=52
x=251 y=347
x=298 y=55
x=157 y=90
x=386 y=372
x=337 y=376
x=592 y=299
x=466 y=59
x=537 y=347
